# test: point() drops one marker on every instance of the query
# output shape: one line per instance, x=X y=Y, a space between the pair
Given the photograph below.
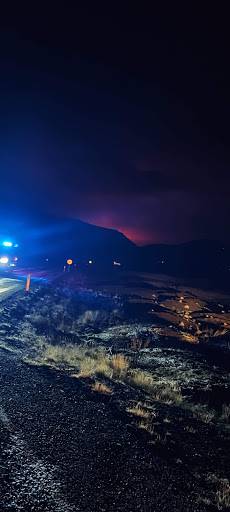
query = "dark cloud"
x=121 y=121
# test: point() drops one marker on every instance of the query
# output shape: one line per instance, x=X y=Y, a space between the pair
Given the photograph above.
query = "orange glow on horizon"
x=137 y=235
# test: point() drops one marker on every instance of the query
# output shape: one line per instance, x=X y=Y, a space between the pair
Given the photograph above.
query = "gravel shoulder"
x=85 y=456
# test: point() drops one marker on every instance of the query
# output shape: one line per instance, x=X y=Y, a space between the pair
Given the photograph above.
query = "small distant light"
x=4 y=260
x=15 y=245
x=15 y=258
x=47 y=259
x=117 y=263
x=90 y=262
x=7 y=244
x=12 y=265
x=69 y=261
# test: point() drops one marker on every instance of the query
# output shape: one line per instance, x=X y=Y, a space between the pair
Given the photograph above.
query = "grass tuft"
x=88 y=361
x=141 y=379
x=146 y=424
x=100 y=387
x=162 y=391
x=138 y=410
x=119 y=365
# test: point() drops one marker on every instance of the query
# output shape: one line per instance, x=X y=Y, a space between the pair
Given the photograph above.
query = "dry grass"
x=88 y=361
x=141 y=379
x=146 y=424
x=87 y=367
x=138 y=410
x=162 y=391
x=168 y=392
x=119 y=365
x=94 y=365
x=100 y=387
x=61 y=354
x=91 y=362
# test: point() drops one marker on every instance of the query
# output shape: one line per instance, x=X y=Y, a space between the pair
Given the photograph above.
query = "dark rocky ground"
x=61 y=450
x=64 y=447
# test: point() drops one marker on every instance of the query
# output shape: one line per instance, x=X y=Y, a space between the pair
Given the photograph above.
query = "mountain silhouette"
x=57 y=239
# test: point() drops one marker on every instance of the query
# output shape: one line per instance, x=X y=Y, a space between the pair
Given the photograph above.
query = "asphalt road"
x=63 y=450
x=8 y=286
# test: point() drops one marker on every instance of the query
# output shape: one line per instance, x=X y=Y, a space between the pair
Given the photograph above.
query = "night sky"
x=119 y=118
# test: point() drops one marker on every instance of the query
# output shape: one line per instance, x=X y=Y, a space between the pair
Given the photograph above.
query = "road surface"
x=8 y=286
x=62 y=450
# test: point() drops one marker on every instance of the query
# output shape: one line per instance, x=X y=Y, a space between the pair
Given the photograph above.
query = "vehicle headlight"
x=7 y=244
x=4 y=260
